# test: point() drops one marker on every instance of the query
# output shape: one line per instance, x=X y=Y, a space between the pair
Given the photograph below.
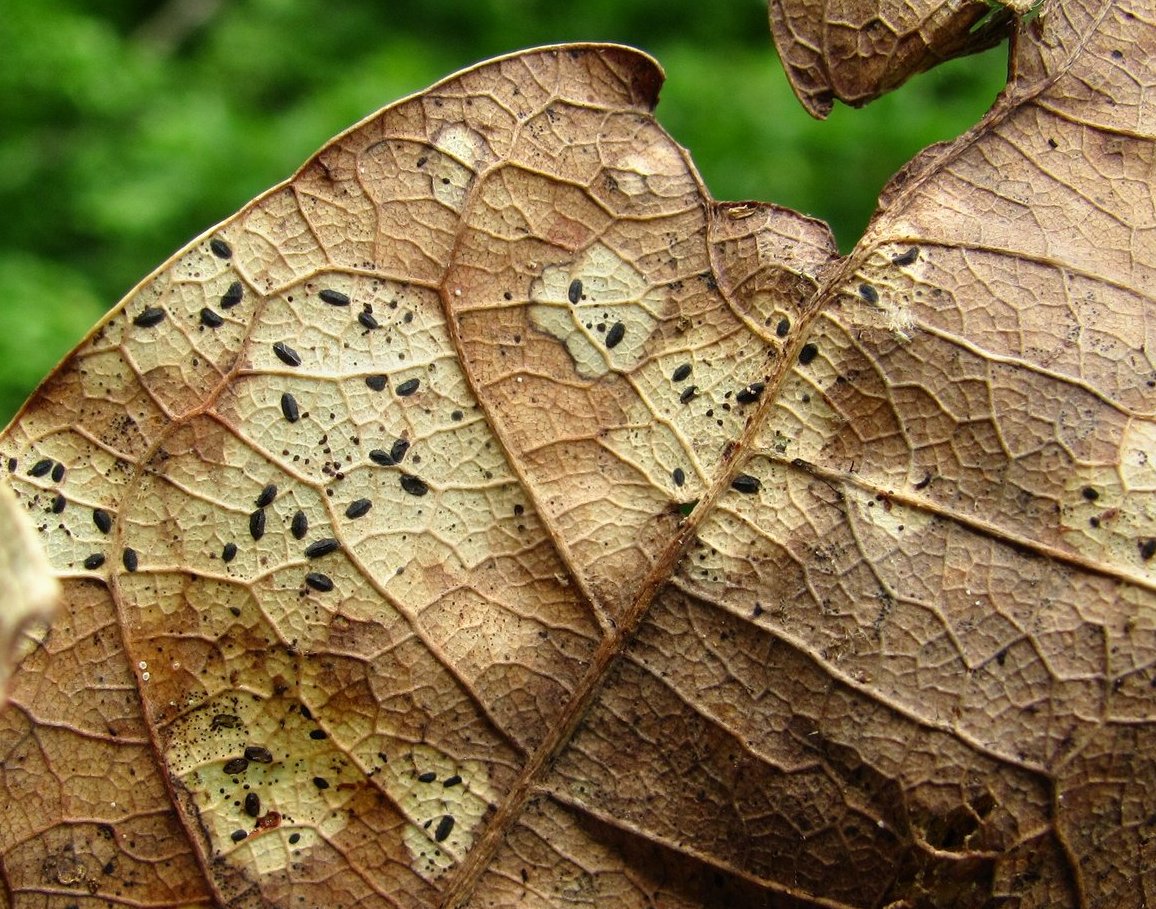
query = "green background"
x=126 y=128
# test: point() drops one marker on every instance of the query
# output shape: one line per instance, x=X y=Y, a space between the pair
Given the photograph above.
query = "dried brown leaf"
x=522 y=527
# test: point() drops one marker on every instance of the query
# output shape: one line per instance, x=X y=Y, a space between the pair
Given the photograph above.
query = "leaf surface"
x=491 y=518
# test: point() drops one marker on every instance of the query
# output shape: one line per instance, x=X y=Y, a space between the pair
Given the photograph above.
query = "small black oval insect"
x=232 y=296
x=237 y=835
x=751 y=393
x=257 y=524
x=129 y=559
x=211 y=319
x=688 y=394
x=318 y=581
x=59 y=503
x=334 y=297
x=615 y=335
x=451 y=781
x=398 y=449
x=678 y=475
x=267 y=496
x=808 y=353
x=681 y=373
x=236 y=765
x=320 y=782
x=289 y=409
x=745 y=483
x=57 y=472
x=574 y=291
x=783 y=328
x=253 y=804
x=413 y=485
x=229 y=552
x=148 y=317
x=444 y=828
x=299 y=525
x=220 y=248
x=225 y=721
x=367 y=320
x=906 y=258
x=869 y=293
x=358 y=508
x=407 y=388
x=94 y=561
x=258 y=754
x=41 y=467
x=286 y=354
x=376 y=383
x=102 y=519
x=318 y=735
x=428 y=777
x=322 y=547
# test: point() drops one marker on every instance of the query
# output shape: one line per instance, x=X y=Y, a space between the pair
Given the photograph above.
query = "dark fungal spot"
x=688 y=394
x=318 y=735
x=678 y=475
x=220 y=248
x=59 y=503
x=376 y=383
x=1090 y=494
x=253 y=804
x=574 y=291
x=257 y=524
x=906 y=258
x=232 y=296
x=322 y=547
x=237 y=835
x=149 y=316
x=407 y=388
x=751 y=393
x=413 y=485
x=94 y=561
x=1147 y=548
x=211 y=319
x=41 y=467
x=236 y=765
x=358 y=508
x=808 y=353
x=745 y=483
x=299 y=526
x=783 y=328
x=129 y=559
x=57 y=472
x=451 y=781
x=322 y=583
x=286 y=354
x=428 y=777
x=615 y=335
x=268 y=494
x=229 y=552
x=294 y=839
x=259 y=754
x=320 y=782
x=367 y=320
x=869 y=293
x=681 y=373
x=444 y=828
x=102 y=519
x=289 y=408
x=334 y=297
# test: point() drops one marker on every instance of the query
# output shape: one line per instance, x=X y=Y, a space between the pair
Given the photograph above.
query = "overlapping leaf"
x=488 y=517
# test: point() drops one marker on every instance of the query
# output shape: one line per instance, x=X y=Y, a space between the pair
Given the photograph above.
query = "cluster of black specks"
x=358 y=508
x=574 y=291
x=334 y=297
x=750 y=393
x=299 y=526
x=869 y=293
x=229 y=552
x=220 y=248
x=415 y=486
x=407 y=388
x=615 y=335
x=232 y=296
x=376 y=383
x=267 y=496
x=783 y=328
x=906 y=258
x=808 y=353
x=148 y=317
x=94 y=561
x=286 y=354
x=688 y=394
x=678 y=475
x=257 y=523
x=746 y=484
x=322 y=583
x=129 y=559
x=102 y=520
x=289 y=409
x=681 y=373
x=211 y=319
x=322 y=547
x=395 y=455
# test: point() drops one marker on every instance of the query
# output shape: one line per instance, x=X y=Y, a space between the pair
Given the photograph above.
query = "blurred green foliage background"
x=129 y=126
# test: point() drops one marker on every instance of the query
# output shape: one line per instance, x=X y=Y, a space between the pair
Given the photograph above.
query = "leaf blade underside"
x=597 y=638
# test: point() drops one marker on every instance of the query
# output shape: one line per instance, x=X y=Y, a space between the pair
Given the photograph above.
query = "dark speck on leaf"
x=869 y=293
x=367 y=320
x=237 y=765
x=745 y=483
x=428 y=777
x=322 y=547
x=129 y=559
x=413 y=485
x=268 y=494
x=299 y=526
x=259 y=754
x=407 y=388
x=220 y=248
x=41 y=467
x=286 y=354
x=229 y=552
x=94 y=561
x=376 y=383
x=751 y=393
x=102 y=519
x=232 y=296
x=574 y=291
x=289 y=409
x=783 y=328
x=148 y=317
x=681 y=373
x=211 y=319
x=318 y=581
x=615 y=335
x=808 y=353
x=334 y=297
x=358 y=508
x=444 y=828
x=257 y=524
